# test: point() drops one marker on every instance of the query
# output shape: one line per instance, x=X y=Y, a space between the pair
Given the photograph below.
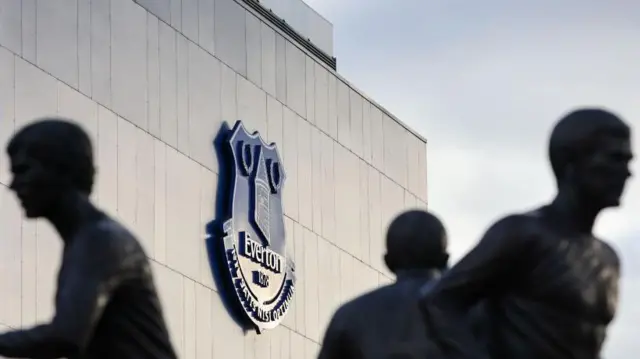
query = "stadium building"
x=256 y=240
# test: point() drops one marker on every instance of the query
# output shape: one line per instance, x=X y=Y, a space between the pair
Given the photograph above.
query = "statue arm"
x=612 y=260
x=485 y=270
x=86 y=285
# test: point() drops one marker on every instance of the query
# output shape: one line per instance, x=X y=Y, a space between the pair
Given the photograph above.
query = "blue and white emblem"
x=254 y=235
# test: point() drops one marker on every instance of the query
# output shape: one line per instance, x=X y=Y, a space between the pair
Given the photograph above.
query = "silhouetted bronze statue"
x=549 y=287
x=387 y=322
x=106 y=304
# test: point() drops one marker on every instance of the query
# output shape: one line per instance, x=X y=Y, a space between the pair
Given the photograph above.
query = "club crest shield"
x=262 y=275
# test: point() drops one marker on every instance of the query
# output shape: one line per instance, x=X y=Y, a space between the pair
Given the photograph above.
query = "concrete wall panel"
x=152 y=82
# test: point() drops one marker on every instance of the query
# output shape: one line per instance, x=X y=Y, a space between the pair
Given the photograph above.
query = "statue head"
x=50 y=159
x=590 y=151
x=416 y=239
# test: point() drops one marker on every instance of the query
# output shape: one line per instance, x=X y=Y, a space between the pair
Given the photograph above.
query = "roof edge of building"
x=311 y=50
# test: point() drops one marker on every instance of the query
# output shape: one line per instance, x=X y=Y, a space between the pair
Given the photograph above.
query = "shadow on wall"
x=215 y=232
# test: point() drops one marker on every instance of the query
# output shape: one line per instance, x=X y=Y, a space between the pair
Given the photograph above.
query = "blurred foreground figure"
x=387 y=323
x=106 y=304
x=548 y=286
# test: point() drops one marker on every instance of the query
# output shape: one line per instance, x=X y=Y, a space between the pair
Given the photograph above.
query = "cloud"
x=484 y=82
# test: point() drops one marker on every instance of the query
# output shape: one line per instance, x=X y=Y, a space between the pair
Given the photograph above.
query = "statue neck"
x=574 y=212
x=72 y=212
x=422 y=273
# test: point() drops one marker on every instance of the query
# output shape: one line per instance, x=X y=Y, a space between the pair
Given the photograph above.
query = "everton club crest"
x=255 y=255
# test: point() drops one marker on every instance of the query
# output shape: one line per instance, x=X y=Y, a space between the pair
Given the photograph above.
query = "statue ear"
x=389 y=262
x=569 y=171
x=444 y=263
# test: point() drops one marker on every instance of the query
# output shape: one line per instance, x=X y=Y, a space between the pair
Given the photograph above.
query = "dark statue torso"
x=383 y=324
x=563 y=297
x=106 y=303
x=132 y=324
x=549 y=293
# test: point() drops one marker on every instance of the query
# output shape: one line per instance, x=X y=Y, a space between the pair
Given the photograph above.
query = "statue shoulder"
x=608 y=253
x=516 y=227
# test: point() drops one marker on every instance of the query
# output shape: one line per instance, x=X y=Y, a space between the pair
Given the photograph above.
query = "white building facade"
x=152 y=82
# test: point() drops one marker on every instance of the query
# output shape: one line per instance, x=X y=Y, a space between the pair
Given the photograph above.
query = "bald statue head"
x=416 y=239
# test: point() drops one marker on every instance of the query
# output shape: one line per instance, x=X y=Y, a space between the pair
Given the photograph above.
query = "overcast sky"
x=484 y=81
